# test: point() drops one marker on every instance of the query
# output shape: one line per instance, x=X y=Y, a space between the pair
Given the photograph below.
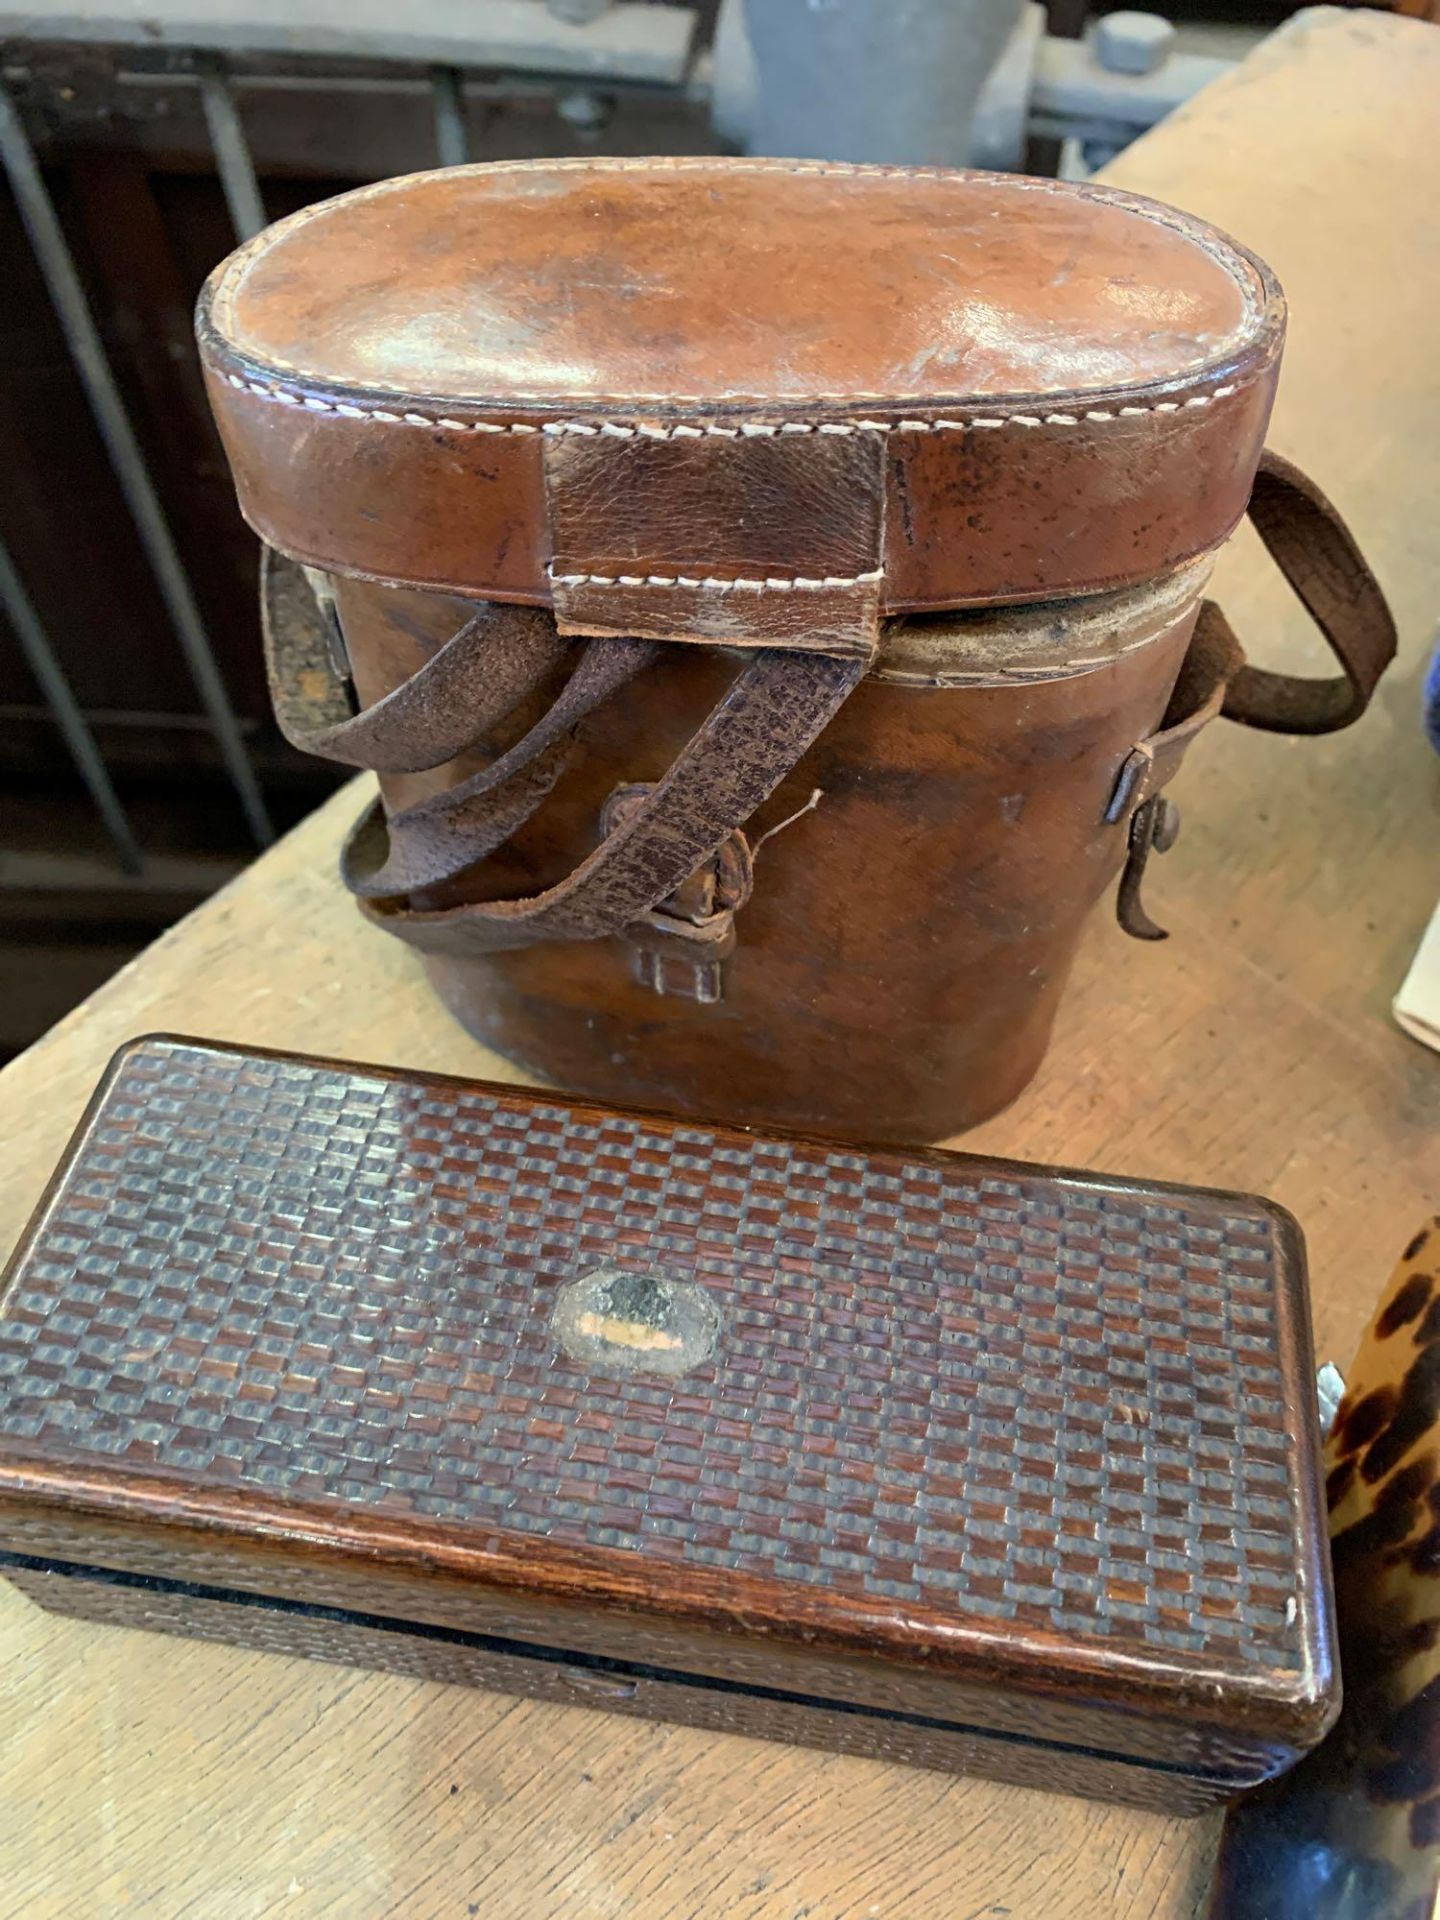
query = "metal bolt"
x=1132 y=42
x=584 y=110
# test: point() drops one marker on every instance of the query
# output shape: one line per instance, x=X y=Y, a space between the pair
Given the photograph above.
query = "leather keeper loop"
x=1209 y=669
x=752 y=541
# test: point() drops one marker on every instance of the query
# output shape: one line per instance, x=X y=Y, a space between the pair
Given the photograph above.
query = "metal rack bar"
x=50 y=675
x=73 y=311
x=232 y=151
x=452 y=140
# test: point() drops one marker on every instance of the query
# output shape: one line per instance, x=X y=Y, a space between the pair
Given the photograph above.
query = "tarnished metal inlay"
x=635 y=1322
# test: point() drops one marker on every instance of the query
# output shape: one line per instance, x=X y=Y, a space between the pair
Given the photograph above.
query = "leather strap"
x=778 y=703
x=1317 y=554
x=498 y=657
x=1211 y=665
x=437 y=839
x=1314 y=550
x=1211 y=662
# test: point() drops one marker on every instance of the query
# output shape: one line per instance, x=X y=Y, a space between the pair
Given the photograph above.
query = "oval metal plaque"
x=617 y=1322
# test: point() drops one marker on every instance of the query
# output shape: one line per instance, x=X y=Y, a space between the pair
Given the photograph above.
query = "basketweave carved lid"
x=741 y=399
x=961 y=1437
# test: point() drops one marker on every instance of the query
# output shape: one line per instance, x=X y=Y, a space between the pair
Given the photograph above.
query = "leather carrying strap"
x=1315 y=551
x=1317 y=554
x=498 y=657
x=435 y=840
x=1211 y=665
x=1313 y=548
x=777 y=704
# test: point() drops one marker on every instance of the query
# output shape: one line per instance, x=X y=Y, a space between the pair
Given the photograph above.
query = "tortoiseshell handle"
x=1353 y=1833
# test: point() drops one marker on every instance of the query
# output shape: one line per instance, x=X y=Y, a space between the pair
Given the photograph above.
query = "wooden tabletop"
x=1255 y=1050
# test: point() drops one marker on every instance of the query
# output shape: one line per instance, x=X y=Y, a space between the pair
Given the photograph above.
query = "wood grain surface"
x=149 y=1776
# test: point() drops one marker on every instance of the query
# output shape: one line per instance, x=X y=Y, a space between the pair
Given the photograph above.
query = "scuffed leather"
x=484 y=671
x=758 y=539
x=1057 y=389
x=765 y=404
x=912 y=921
x=776 y=706
x=709 y=280
x=436 y=840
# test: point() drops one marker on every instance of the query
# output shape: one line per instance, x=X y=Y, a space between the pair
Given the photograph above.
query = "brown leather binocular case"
x=770 y=594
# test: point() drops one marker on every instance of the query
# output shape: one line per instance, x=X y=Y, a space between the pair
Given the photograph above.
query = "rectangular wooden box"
x=947 y=1460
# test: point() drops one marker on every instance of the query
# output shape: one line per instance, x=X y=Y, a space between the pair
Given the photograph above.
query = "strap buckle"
x=683 y=959
x=680 y=946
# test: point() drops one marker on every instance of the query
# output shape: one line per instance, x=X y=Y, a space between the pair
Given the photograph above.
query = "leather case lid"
x=947 y=1435
x=675 y=395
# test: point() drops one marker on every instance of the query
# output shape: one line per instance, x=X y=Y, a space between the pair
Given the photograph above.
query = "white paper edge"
x=1417 y=1005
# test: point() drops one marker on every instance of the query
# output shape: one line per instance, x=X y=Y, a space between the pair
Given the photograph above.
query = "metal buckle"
x=683 y=959
x=682 y=944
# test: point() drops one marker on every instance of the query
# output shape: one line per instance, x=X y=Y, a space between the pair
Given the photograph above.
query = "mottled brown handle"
x=1353 y=1833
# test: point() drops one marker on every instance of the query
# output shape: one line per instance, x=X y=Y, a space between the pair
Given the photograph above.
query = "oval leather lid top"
x=710 y=282
x=755 y=401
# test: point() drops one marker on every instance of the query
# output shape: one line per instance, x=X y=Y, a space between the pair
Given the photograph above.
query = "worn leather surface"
x=736 y=279
x=733 y=514
x=903 y=955
x=775 y=707
x=496 y=656
x=469 y=864
x=761 y=404
x=437 y=839
x=764 y=401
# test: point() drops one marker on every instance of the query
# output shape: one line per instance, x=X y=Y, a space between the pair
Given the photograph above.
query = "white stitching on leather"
x=647 y=430
x=796 y=583
x=1220 y=252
